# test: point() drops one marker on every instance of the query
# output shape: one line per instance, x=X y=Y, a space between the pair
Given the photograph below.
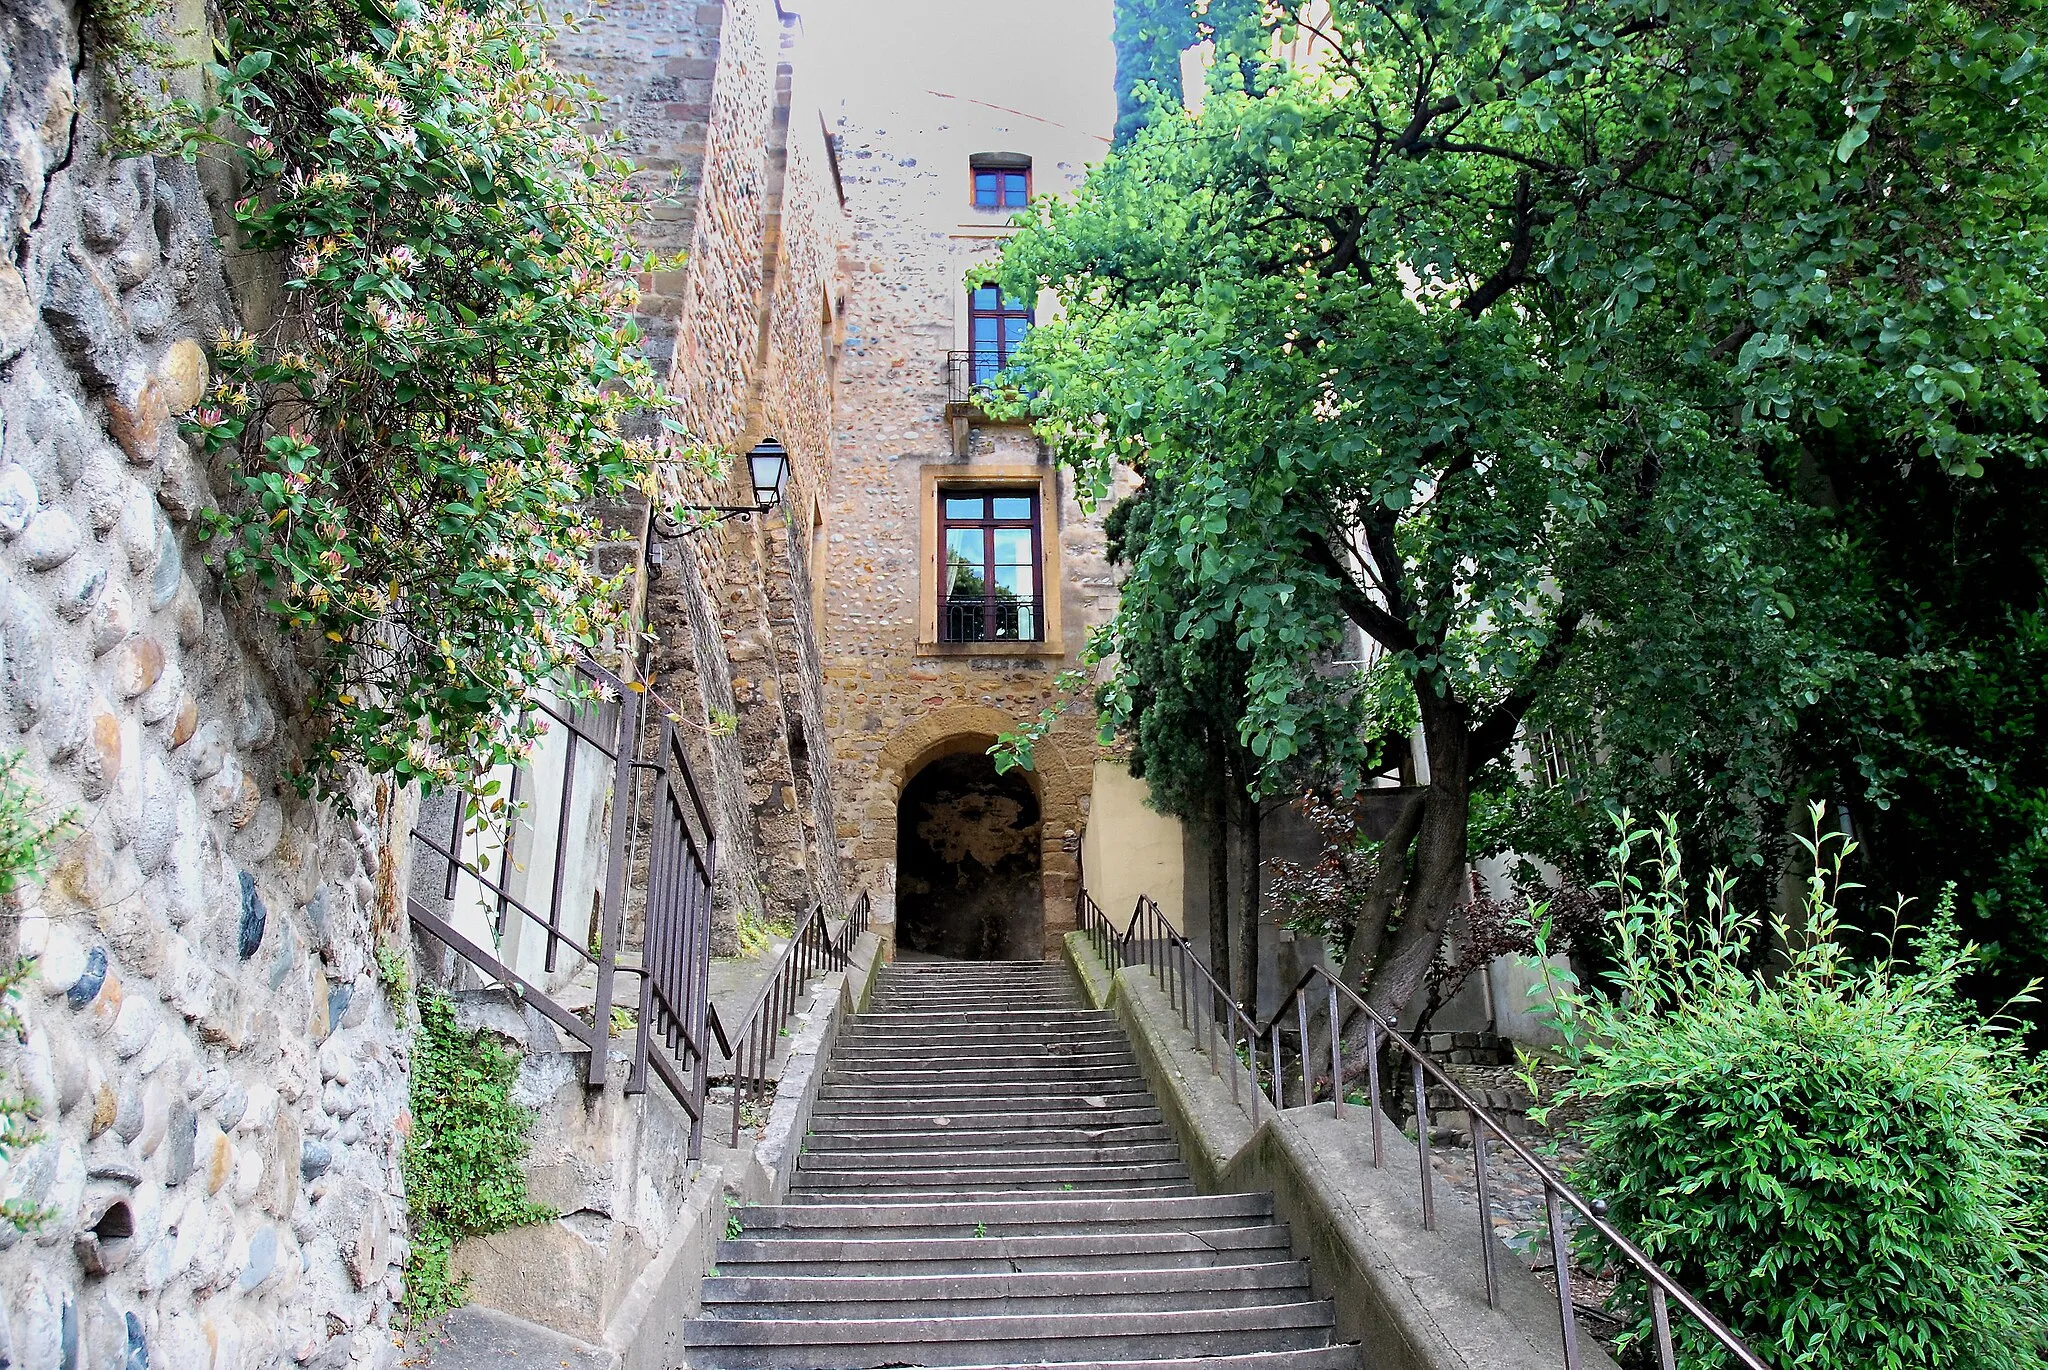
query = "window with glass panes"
x=1001 y=187
x=991 y=590
x=996 y=323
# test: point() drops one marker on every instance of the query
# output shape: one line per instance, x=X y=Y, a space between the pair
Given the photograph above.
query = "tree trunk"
x=1383 y=895
x=1441 y=858
x=1219 y=882
x=1246 y=981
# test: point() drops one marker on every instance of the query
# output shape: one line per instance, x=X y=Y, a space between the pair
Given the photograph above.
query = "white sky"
x=1050 y=58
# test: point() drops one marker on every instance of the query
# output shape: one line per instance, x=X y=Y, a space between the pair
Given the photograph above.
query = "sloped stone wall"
x=218 y=1077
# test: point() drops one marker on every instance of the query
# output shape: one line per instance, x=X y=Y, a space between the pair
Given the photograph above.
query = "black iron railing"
x=496 y=888
x=984 y=618
x=1155 y=944
x=814 y=949
x=968 y=375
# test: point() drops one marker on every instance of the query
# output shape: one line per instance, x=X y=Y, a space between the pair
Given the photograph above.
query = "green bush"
x=462 y=1162
x=1845 y=1162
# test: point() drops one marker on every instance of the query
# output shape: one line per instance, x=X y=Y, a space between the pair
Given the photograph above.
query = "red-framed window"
x=996 y=324
x=992 y=589
x=1002 y=187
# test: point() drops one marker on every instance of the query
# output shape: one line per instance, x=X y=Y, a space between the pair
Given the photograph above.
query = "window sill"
x=1034 y=649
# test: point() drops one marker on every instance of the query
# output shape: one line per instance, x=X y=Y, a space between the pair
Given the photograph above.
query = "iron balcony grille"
x=969 y=374
x=983 y=619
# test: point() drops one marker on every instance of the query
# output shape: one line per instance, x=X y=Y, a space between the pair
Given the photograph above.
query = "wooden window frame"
x=989 y=524
x=1002 y=314
x=1023 y=477
x=1003 y=171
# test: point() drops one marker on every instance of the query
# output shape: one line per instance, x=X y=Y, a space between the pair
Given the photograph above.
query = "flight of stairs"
x=987 y=1183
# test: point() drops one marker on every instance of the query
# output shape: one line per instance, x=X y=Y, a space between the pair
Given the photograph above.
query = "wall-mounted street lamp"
x=767 y=468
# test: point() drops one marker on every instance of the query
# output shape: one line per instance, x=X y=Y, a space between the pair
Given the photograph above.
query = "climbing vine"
x=420 y=437
x=462 y=1162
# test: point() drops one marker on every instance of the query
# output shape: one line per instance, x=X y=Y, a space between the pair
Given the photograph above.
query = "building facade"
x=962 y=576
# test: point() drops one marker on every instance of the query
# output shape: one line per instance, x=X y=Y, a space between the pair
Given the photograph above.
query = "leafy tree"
x=1496 y=332
x=1943 y=757
x=1179 y=702
x=1150 y=36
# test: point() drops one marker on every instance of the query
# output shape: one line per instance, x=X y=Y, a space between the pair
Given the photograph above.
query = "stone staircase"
x=987 y=1183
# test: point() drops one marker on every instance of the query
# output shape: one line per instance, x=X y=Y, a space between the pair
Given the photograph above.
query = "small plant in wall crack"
x=418 y=439
x=27 y=828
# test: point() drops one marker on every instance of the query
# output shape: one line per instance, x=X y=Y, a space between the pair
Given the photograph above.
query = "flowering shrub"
x=1846 y=1162
x=422 y=433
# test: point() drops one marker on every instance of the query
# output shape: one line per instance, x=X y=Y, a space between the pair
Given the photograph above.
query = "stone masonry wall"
x=895 y=701
x=219 y=1080
x=752 y=322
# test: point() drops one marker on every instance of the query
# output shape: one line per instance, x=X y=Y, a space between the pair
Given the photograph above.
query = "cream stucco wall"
x=1131 y=848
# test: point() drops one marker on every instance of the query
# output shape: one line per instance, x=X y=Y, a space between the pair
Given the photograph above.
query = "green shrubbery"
x=1845 y=1161
x=462 y=1162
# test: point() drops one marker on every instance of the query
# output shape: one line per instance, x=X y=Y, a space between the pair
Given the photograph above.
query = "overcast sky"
x=1050 y=58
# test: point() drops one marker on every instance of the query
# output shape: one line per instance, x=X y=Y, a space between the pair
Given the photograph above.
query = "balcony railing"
x=981 y=618
x=968 y=375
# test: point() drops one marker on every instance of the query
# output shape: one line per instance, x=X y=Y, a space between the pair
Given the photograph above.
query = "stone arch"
x=968 y=853
x=1061 y=784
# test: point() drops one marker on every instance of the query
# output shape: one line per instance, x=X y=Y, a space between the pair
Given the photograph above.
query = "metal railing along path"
x=1156 y=945
x=603 y=717
x=813 y=949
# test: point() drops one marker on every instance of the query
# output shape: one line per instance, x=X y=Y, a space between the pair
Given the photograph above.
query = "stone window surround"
x=931 y=480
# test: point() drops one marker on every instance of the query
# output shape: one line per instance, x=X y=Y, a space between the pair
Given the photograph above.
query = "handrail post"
x=1372 y=1076
x=611 y=913
x=1486 y=1241
x=1561 y=1263
x=1422 y=1145
x=1336 y=1053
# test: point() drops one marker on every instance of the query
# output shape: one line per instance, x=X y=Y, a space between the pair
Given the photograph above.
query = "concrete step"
x=1050 y=1043
x=997 y=1193
x=983 y=1009
x=866 y=1289
x=983 y=1158
x=954 y=1176
x=1063 y=1139
x=933 y=1340
x=877 y=1303
x=809 y=1253
x=1318 y=1358
x=1021 y=1215
x=905 y=1073
x=849 y=1121
x=989 y=1093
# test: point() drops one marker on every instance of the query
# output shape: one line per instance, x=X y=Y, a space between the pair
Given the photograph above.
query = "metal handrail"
x=674 y=969
x=812 y=950
x=1177 y=953
x=1157 y=941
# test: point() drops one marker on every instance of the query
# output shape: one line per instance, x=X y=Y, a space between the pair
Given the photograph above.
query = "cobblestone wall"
x=218 y=1078
x=894 y=698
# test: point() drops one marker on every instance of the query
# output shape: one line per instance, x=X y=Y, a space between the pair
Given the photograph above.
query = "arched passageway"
x=967 y=863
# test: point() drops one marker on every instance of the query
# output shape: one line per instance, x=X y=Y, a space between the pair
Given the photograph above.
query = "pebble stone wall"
x=218 y=1080
x=891 y=705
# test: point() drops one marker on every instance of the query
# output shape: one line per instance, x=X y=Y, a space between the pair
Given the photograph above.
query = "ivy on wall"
x=420 y=437
x=463 y=1176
